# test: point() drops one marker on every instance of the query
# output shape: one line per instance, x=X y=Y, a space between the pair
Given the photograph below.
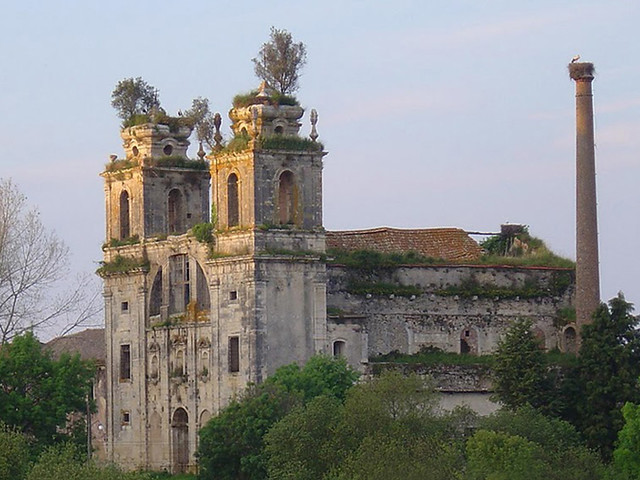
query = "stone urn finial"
x=314 y=120
x=217 y=122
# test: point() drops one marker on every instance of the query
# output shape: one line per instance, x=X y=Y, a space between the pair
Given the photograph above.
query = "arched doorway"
x=570 y=340
x=180 y=440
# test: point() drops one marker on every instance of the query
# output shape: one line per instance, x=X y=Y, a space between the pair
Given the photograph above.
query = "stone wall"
x=463 y=309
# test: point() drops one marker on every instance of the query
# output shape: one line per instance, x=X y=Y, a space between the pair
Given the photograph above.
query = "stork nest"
x=578 y=71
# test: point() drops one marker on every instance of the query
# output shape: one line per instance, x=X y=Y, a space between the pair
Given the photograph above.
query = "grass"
x=369 y=260
x=122 y=264
x=360 y=287
x=281 y=142
x=178 y=161
x=243 y=100
x=122 y=164
x=114 y=242
x=435 y=356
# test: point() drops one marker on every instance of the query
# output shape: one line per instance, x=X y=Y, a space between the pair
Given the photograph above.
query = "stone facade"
x=188 y=324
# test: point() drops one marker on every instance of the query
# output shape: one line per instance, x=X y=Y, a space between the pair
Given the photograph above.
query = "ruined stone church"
x=191 y=318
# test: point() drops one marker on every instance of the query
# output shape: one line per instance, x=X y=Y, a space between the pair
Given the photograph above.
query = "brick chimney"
x=587 y=266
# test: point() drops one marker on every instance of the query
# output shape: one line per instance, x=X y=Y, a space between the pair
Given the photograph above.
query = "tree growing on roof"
x=134 y=96
x=280 y=60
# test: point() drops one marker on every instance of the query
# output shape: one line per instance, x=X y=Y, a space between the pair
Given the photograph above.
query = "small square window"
x=124 y=307
x=126 y=417
x=233 y=295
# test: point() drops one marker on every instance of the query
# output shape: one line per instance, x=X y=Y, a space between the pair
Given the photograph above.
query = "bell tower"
x=155 y=190
x=268 y=180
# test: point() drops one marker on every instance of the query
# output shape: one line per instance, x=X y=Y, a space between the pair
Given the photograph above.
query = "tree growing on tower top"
x=134 y=96
x=280 y=60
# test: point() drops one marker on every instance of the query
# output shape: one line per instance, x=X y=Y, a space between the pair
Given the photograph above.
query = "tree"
x=67 y=462
x=14 y=453
x=321 y=375
x=39 y=394
x=280 y=60
x=134 y=96
x=232 y=443
x=203 y=120
x=32 y=261
x=626 y=456
x=387 y=429
x=520 y=374
x=608 y=370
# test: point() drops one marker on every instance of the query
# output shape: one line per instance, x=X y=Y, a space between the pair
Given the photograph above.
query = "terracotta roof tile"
x=90 y=344
x=451 y=244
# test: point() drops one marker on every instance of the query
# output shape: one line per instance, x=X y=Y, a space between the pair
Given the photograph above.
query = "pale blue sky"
x=456 y=113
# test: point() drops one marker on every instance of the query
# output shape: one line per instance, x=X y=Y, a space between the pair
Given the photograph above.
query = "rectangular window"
x=126 y=417
x=233 y=295
x=125 y=362
x=124 y=306
x=234 y=354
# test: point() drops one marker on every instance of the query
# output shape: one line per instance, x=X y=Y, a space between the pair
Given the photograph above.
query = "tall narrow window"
x=125 y=362
x=156 y=294
x=234 y=354
x=285 y=198
x=175 y=213
x=125 y=231
x=233 y=207
x=339 y=348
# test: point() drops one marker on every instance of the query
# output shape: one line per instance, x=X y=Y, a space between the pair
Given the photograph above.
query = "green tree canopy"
x=134 y=96
x=520 y=374
x=280 y=60
x=14 y=453
x=231 y=444
x=38 y=393
x=387 y=429
x=609 y=367
x=626 y=456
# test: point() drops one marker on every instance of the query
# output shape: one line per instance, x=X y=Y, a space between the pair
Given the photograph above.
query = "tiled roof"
x=451 y=244
x=89 y=344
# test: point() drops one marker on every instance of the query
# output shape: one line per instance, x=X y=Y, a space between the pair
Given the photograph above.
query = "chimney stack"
x=587 y=273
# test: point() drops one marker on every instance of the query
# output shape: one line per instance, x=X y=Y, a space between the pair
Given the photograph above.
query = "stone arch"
x=180 y=440
x=469 y=341
x=233 y=201
x=125 y=215
x=570 y=339
x=205 y=415
x=286 y=197
x=175 y=211
x=154 y=371
x=155 y=298
x=179 y=366
x=339 y=348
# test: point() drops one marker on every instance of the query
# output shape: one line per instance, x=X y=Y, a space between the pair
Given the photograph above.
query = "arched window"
x=125 y=231
x=155 y=301
x=339 y=348
x=154 y=367
x=175 y=214
x=570 y=340
x=233 y=207
x=286 y=198
x=179 y=367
